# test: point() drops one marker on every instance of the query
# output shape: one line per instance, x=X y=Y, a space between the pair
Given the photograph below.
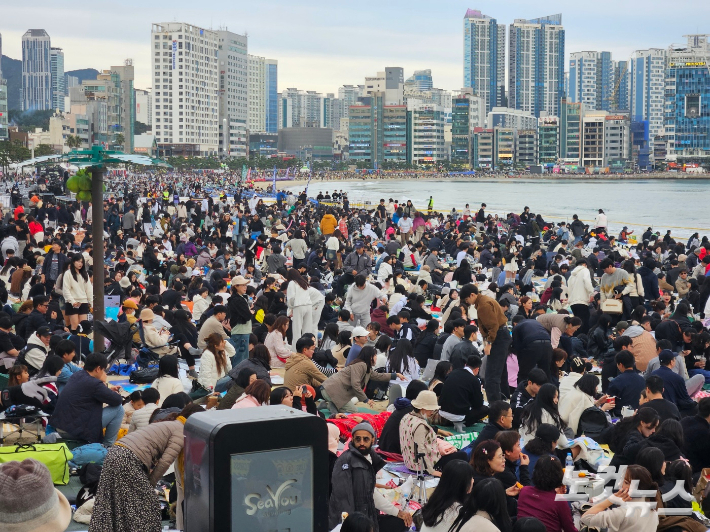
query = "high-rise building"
x=570 y=130
x=1 y=56
x=548 y=134
x=526 y=146
x=263 y=95
x=301 y=109
x=421 y=80
x=36 y=71
x=126 y=103
x=591 y=80
x=482 y=148
x=233 y=93
x=503 y=148
x=186 y=78
x=536 y=67
x=425 y=133
x=3 y=110
x=484 y=57
x=687 y=101
x=467 y=114
x=648 y=69
x=593 y=133
x=58 y=86
x=391 y=82
x=617 y=141
x=377 y=132
x=619 y=99
x=144 y=107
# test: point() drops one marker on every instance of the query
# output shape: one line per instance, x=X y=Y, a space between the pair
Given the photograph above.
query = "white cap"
x=359 y=331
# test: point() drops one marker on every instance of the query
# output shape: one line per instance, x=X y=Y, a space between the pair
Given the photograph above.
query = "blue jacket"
x=627 y=388
x=674 y=390
x=80 y=405
x=650 y=283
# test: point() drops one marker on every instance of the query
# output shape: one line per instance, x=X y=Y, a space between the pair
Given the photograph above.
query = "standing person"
x=240 y=316
x=531 y=343
x=600 y=222
x=299 y=304
x=493 y=324
x=53 y=265
x=78 y=292
x=359 y=299
x=356 y=263
x=125 y=498
x=580 y=292
x=354 y=480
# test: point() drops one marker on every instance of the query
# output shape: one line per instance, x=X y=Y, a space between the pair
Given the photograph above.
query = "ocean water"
x=680 y=205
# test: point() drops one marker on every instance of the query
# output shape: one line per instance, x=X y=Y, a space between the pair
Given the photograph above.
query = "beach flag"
x=274 y=179
x=244 y=172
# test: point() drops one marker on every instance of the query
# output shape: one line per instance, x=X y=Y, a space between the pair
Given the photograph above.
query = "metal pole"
x=97 y=254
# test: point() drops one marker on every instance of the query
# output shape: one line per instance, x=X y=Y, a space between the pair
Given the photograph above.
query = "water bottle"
x=569 y=464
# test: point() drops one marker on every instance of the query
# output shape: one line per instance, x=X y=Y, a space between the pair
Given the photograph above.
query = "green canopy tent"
x=96 y=159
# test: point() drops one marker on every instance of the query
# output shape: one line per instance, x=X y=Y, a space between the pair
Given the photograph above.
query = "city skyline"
x=296 y=35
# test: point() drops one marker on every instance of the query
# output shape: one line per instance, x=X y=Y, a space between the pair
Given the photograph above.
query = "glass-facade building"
x=570 y=128
x=548 y=131
x=687 y=110
x=461 y=132
x=3 y=110
x=272 y=96
x=377 y=132
x=58 y=80
x=484 y=57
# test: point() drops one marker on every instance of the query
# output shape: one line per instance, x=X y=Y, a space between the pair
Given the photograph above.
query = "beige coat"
x=211 y=325
x=301 y=370
x=350 y=382
x=157 y=446
x=156 y=342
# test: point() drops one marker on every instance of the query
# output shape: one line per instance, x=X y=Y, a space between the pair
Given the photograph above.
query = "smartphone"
x=305 y=389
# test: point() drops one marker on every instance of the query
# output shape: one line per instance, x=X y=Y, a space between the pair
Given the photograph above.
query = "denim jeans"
x=111 y=419
x=241 y=346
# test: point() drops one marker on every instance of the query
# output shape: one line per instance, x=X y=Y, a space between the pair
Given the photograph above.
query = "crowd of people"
x=540 y=332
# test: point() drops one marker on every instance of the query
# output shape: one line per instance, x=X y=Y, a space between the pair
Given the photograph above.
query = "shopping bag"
x=55 y=456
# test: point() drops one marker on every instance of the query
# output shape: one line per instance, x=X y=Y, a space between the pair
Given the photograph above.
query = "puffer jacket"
x=35 y=355
x=209 y=373
x=77 y=290
x=579 y=286
x=328 y=224
x=157 y=446
x=353 y=484
x=599 y=343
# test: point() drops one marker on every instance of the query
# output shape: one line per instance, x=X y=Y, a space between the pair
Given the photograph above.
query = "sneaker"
x=192 y=374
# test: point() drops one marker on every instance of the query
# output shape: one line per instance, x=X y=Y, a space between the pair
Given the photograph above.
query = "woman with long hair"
x=442 y=371
x=630 y=435
x=78 y=292
x=485 y=509
x=284 y=396
x=444 y=504
x=168 y=381
x=214 y=363
x=669 y=439
x=243 y=379
x=626 y=517
x=299 y=304
x=424 y=346
x=543 y=409
x=401 y=360
x=186 y=333
x=276 y=343
x=583 y=395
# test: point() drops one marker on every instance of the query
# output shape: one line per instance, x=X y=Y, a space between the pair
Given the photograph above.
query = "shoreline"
x=286 y=185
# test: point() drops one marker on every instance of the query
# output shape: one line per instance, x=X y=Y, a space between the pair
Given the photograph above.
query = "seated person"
x=300 y=369
x=544 y=443
x=500 y=418
x=141 y=418
x=389 y=438
x=673 y=384
x=653 y=398
x=526 y=392
x=66 y=349
x=696 y=432
x=418 y=436
x=155 y=340
x=79 y=413
x=539 y=500
x=461 y=394
x=516 y=462
x=627 y=386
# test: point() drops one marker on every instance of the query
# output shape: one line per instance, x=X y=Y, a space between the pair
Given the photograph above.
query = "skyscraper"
x=591 y=80
x=127 y=103
x=647 y=88
x=263 y=95
x=0 y=55
x=58 y=86
x=484 y=57
x=421 y=80
x=185 y=89
x=233 y=93
x=536 y=68
x=36 y=71
x=620 y=95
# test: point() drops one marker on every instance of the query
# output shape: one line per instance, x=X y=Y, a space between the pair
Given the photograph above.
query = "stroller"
x=120 y=336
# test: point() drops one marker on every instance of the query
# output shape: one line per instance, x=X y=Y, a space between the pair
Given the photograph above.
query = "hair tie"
x=485 y=451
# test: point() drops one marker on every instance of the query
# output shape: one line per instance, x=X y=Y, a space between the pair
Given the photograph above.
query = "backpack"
x=592 y=422
x=144 y=376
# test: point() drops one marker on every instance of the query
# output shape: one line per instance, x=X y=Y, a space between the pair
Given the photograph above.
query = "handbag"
x=612 y=306
x=144 y=376
x=55 y=456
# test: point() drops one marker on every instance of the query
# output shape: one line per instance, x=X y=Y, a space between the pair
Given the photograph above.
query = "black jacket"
x=674 y=390
x=389 y=437
x=670 y=450
x=696 y=436
x=461 y=392
x=424 y=348
x=353 y=482
x=80 y=405
x=627 y=388
x=34 y=321
x=626 y=453
x=239 y=312
x=518 y=400
x=665 y=409
x=488 y=432
x=439 y=345
x=509 y=476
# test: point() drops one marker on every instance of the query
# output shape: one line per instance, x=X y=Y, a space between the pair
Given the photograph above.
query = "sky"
x=322 y=45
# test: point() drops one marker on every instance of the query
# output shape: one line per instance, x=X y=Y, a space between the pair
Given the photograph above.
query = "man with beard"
x=354 y=479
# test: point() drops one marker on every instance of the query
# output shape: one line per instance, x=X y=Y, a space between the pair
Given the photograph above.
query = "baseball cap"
x=44 y=331
x=359 y=331
x=666 y=356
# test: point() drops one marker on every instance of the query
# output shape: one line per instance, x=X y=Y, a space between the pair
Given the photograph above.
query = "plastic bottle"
x=569 y=463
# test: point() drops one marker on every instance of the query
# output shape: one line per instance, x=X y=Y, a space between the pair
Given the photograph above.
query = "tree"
x=119 y=139
x=44 y=149
x=73 y=141
x=140 y=128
